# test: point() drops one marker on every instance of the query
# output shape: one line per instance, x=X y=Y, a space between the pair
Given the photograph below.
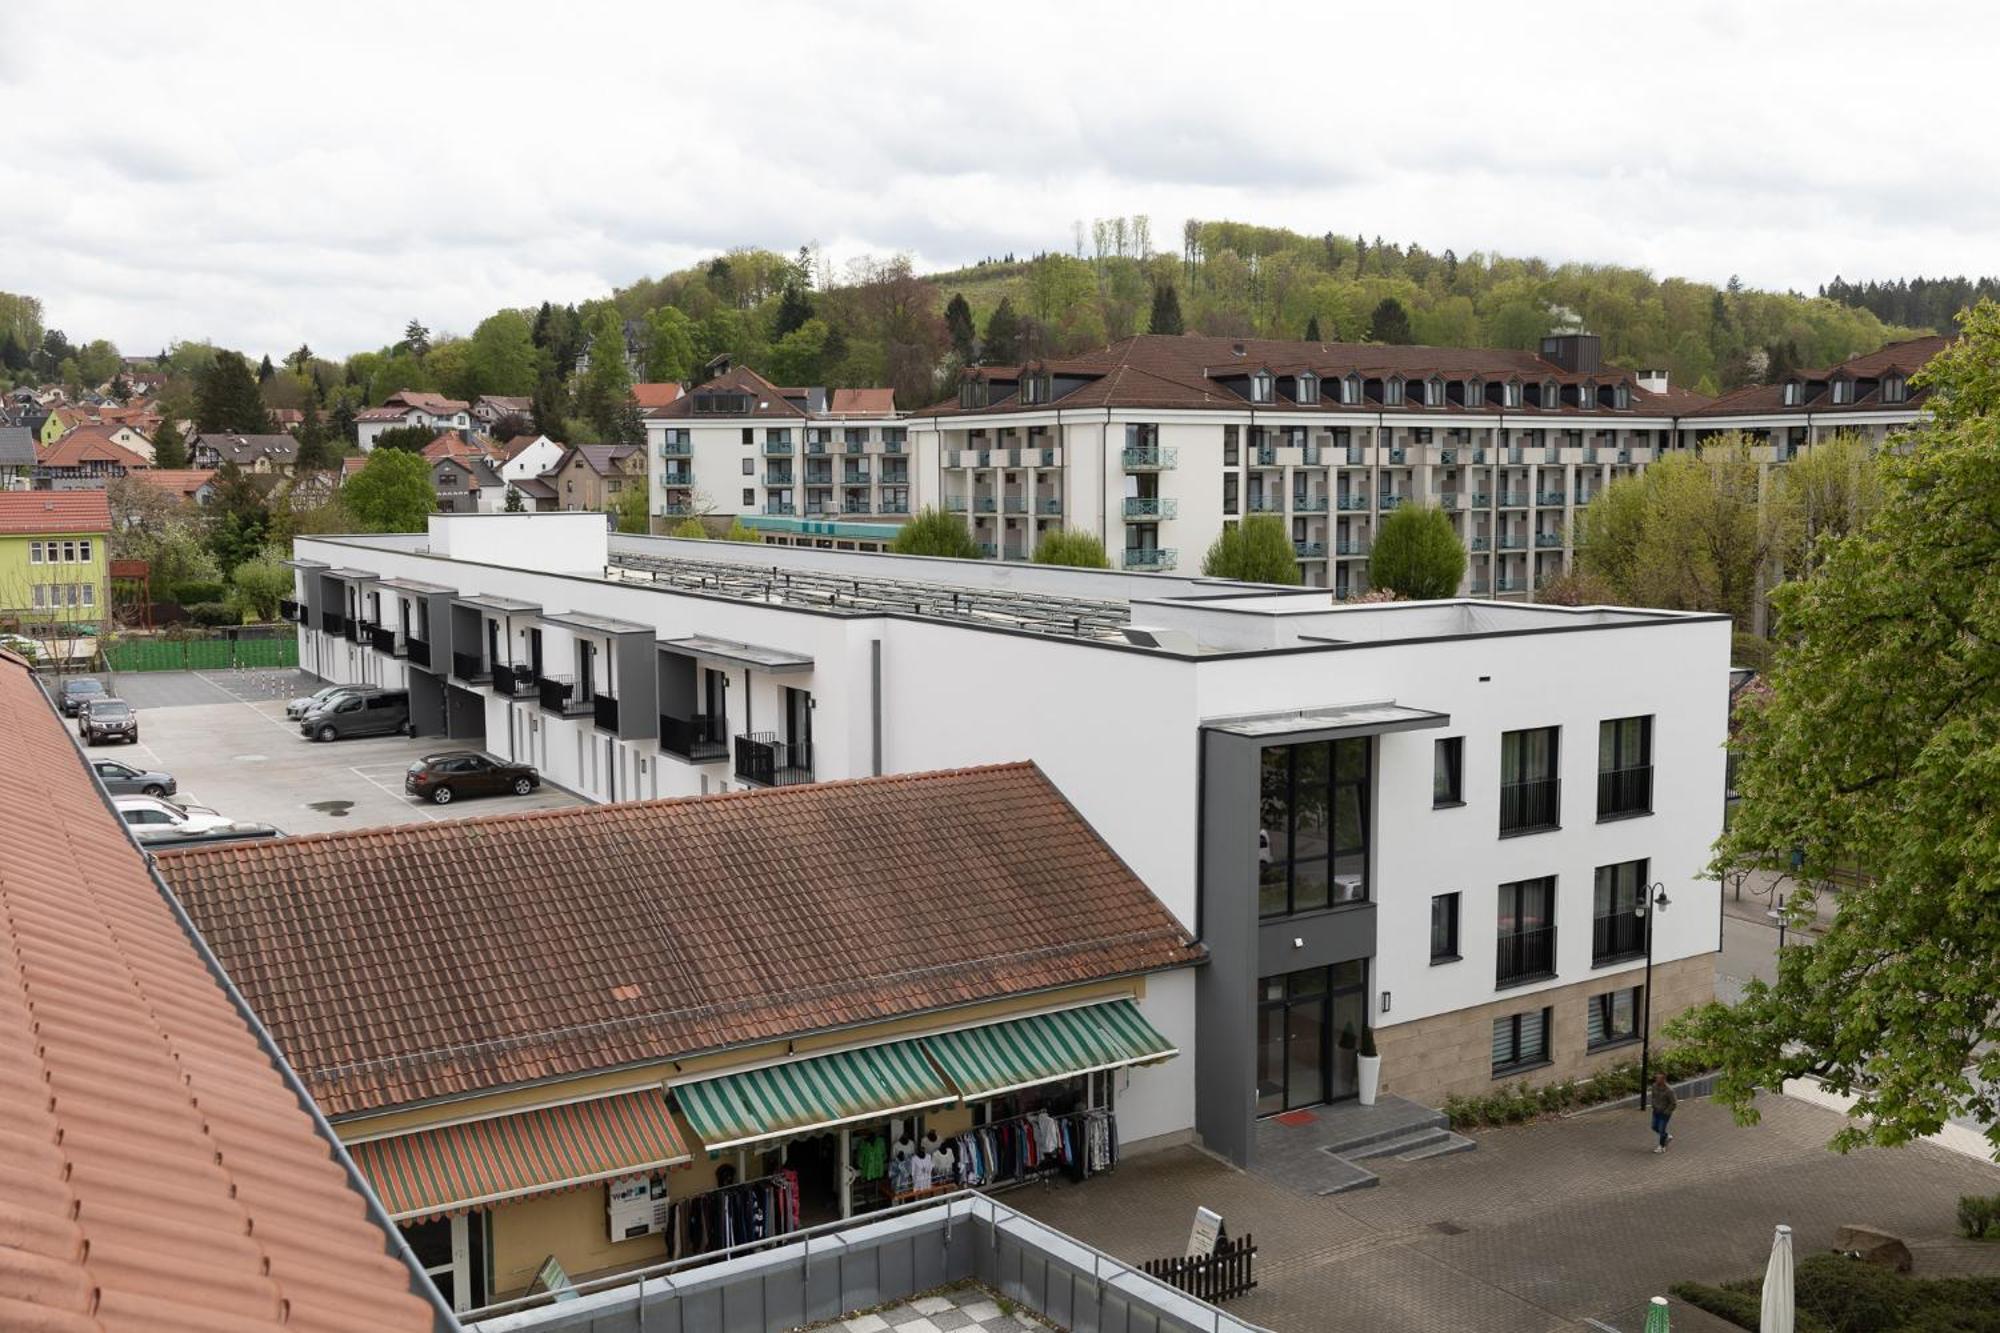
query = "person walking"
x=1663 y=1110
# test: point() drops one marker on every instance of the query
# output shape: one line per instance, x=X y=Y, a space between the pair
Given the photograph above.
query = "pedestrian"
x=1663 y=1110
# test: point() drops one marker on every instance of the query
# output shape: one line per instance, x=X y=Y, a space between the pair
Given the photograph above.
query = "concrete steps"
x=1324 y=1154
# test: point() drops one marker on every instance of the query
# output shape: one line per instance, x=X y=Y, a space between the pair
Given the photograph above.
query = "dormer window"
x=1035 y=387
x=1308 y=387
x=1843 y=391
x=1621 y=398
x=1510 y=393
x=1475 y=393
x=1793 y=393
x=1551 y=395
x=1260 y=387
x=1434 y=391
x=1350 y=389
x=1392 y=391
x=1895 y=389
x=1586 y=395
x=972 y=393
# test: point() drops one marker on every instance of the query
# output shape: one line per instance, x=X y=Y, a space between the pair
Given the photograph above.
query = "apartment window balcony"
x=989 y=551
x=1513 y=500
x=854 y=446
x=1510 y=583
x=1524 y=956
x=1351 y=502
x=349 y=629
x=1357 y=457
x=1350 y=546
x=1390 y=501
x=820 y=504
x=778 y=476
x=769 y=762
x=780 y=507
x=1553 y=498
x=955 y=504
x=383 y=639
x=1448 y=500
x=1149 y=459
x=677 y=508
x=778 y=448
x=895 y=476
x=985 y=504
x=1048 y=505
x=856 y=507
x=1267 y=455
x=1481 y=543
x=677 y=476
x=1547 y=540
x=701 y=739
x=893 y=507
x=1533 y=806
x=1145 y=506
x=290 y=610
x=677 y=449
x=604 y=713
x=1480 y=587
x=1397 y=456
x=1622 y=792
x=1018 y=504
x=470 y=668
x=1264 y=504
x=1448 y=457
x=1482 y=500
x=892 y=446
x=815 y=447
x=1308 y=504
x=517 y=681
x=1150 y=557
x=854 y=476
x=1512 y=541
x=818 y=474
x=558 y=696
x=1309 y=550
x=1616 y=937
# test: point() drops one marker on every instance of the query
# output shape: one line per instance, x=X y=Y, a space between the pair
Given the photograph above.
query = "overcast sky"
x=269 y=174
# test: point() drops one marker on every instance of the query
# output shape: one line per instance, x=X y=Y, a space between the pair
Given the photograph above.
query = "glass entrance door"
x=1304 y=1055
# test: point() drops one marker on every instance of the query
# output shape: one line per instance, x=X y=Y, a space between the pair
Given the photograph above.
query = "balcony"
x=1047 y=505
x=383 y=639
x=1510 y=583
x=418 y=651
x=1264 y=504
x=778 y=448
x=677 y=476
x=893 y=507
x=1481 y=542
x=818 y=474
x=815 y=447
x=1153 y=459
x=779 y=476
x=1349 y=546
x=1482 y=500
x=989 y=551
x=1617 y=937
x=1480 y=587
x=604 y=713
x=1623 y=792
x=558 y=696
x=985 y=504
x=1398 y=456
x=1267 y=456
x=351 y=629
x=892 y=446
x=854 y=476
x=1532 y=806
x=517 y=681
x=1309 y=550
x=1513 y=500
x=677 y=449
x=1525 y=955
x=780 y=507
x=1308 y=504
x=856 y=446
x=1018 y=504
x=1351 y=502
x=1448 y=457
x=955 y=504
x=1548 y=540
x=291 y=610
x=470 y=668
x=1149 y=557
x=1553 y=499
x=701 y=739
x=1390 y=501
x=1150 y=506
x=769 y=762
x=1513 y=541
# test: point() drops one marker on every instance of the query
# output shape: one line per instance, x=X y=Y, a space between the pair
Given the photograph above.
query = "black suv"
x=107 y=719
x=440 y=778
x=77 y=691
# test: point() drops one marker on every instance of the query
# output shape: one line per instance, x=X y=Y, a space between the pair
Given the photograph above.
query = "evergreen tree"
x=669 y=346
x=515 y=504
x=958 y=319
x=1257 y=550
x=794 y=309
x=341 y=424
x=169 y=448
x=606 y=385
x=1166 y=316
x=227 y=399
x=1416 y=553
x=416 y=338
x=404 y=439
x=1312 y=329
x=1390 y=323
x=318 y=450
x=265 y=369
x=1003 y=336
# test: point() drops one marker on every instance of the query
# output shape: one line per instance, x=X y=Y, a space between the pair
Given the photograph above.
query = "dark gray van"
x=365 y=712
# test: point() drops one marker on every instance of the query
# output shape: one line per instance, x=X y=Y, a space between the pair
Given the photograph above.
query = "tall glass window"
x=1313 y=826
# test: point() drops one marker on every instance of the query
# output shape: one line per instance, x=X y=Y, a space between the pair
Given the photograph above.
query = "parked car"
x=371 y=711
x=107 y=719
x=125 y=780
x=153 y=812
x=76 y=691
x=442 y=778
x=174 y=837
x=299 y=707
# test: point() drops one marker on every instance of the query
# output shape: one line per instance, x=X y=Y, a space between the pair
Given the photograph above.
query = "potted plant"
x=1368 y=1066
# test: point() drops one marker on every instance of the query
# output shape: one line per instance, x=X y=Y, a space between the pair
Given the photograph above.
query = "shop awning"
x=1021 y=1052
x=436 y=1172
x=815 y=1093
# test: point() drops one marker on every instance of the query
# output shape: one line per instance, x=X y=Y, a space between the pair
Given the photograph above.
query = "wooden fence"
x=1210 y=1277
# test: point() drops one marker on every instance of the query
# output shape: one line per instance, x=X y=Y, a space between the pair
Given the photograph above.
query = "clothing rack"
x=1036 y=1145
x=728 y=1215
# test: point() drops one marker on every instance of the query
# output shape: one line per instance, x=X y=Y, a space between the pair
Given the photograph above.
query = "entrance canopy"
x=815 y=1093
x=437 y=1172
x=1022 y=1052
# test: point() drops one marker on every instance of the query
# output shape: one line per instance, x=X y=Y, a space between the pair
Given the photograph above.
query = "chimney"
x=1238 y=349
x=1578 y=353
x=1653 y=381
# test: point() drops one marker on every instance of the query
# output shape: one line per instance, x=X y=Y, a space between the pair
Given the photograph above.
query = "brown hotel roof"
x=1906 y=356
x=401 y=965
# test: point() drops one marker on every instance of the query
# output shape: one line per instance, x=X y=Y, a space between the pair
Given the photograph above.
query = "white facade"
x=532 y=461
x=821 y=467
x=371 y=425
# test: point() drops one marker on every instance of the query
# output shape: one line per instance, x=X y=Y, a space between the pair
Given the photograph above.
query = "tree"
x=416 y=338
x=239 y=518
x=501 y=357
x=629 y=507
x=98 y=363
x=1166 y=316
x=227 y=398
x=669 y=346
x=690 y=528
x=1832 y=489
x=739 y=531
x=1878 y=748
x=515 y=504
x=408 y=439
x=1082 y=550
x=1257 y=550
x=1003 y=336
x=1577 y=587
x=1416 y=553
x=391 y=493
x=1312 y=329
x=606 y=383
x=265 y=369
x=799 y=356
x=958 y=319
x=1390 y=323
x=169 y=447
x=935 y=532
x=318 y=450
x=258 y=585
x=795 y=307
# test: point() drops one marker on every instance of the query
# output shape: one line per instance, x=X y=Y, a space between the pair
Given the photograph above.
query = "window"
x=1232 y=451
x=1530 y=792
x=1791 y=393
x=89 y=594
x=69 y=553
x=1624 y=767
x=1035 y=387
x=41 y=593
x=1475 y=393
x=1520 y=1041
x=1617 y=931
x=1392 y=391
x=1434 y=392
x=1526 y=923
x=1444 y=928
x=1551 y=394
x=1229 y=500
x=1308 y=387
x=1312 y=842
x=1448 y=772
x=1260 y=387
x=1895 y=389
x=1621 y=397
x=1350 y=389
x=1510 y=393
x=1843 y=391
x=749 y=496
x=749 y=467
x=1613 y=1018
x=34 y=553
x=749 y=435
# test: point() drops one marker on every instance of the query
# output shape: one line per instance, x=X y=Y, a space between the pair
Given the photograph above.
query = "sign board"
x=1205 y=1232
x=551 y=1278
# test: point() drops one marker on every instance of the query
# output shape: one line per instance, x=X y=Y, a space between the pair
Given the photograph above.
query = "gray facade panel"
x=1226 y=989
x=1336 y=936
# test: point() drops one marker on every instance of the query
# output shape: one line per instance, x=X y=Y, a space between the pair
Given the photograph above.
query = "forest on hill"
x=1927 y=303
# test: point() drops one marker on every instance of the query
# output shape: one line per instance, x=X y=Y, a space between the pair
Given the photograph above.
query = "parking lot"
x=224 y=737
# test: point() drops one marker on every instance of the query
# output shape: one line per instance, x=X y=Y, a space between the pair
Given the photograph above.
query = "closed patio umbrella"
x=1777 y=1314
x=1656 y=1316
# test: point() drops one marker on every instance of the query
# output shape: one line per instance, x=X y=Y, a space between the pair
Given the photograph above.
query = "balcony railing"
x=700 y=739
x=778 y=477
x=1548 y=540
x=1510 y=583
x=1482 y=499
x=1513 y=500
x=514 y=680
x=470 y=668
x=955 y=504
x=352 y=629
x=1554 y=498
x=1525 y=955
x=985 y=504
x=1267 y=456
x=1018 y=504
x=1448 y=457
x=1625 y=791
x=1046 y=505
x=1616 y=937
x=769 y=762
x=677 y=476
x=989 y=550
x=778 y=448
x=780 y=507
x=1150 y=557
x=854 y=476
x=290 y=610
x=1513 y=541
x=1149 y=459
x=604 y=712
x=1350 y=547
x=1265 y=504
x=1308 y=504
x=1531 y=806
x=1390 y=501
x=1309 y=550
x=677 y=449
x=559 y=696
x=893 y=507
x=1351 y=502
x=1481 y=542
x=1150 y=506
x=383 y=639
x=418 y=651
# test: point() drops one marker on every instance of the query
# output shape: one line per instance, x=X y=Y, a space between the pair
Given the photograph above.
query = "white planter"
x=1369 y=1071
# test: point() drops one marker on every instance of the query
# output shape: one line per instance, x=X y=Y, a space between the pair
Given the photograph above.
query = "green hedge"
x=201 y=654
x=1836 y=1294
x=1510 y=1105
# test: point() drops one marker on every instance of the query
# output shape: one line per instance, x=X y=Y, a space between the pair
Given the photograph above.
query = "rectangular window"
x=1448 y=772
x=749 y=467
x=69 y=553
x=749 y=435
x=1313 y=827
x=34 y=553
x=749 y=497
x=1444 y=928
x=83 y=550
x=1613 y=1018
x=1520 y=1041
x=89 y=595
x=1526 y=926
x=73 y=597
x=1231 y=446
x=1530 y=792
x=1229 y=498
x=41 y=596
x=1618 y=931
x=1624 y=767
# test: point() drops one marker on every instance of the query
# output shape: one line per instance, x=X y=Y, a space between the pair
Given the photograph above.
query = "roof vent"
x=1167 y=640
x=1238 y=349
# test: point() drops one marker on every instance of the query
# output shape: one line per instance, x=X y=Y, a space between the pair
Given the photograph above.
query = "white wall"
x=558 y=543
x=1159 y=1099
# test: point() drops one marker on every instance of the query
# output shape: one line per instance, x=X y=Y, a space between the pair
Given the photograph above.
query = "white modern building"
x=1432 y=819
x=410 y=408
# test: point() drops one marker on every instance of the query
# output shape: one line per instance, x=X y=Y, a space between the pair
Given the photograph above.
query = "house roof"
x=161 y=1171
x=88 y=444
x=535 y=488
x=178 y=481
x=863 y=403
x=1906 y=356
x=521 y=443
x=434 y=403
x=655 y=395
x=242 y=449
x=600 y=457
x=767 y=400
x=505 y=404
x=24 y=513
x=455 y=444
x=350 y=466
x=17 y=446
x=403 y=964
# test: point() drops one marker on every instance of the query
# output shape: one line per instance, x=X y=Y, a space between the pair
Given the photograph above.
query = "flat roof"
x=595 y=624
x=746 y=654
x=1368 y=719
x=416 y=585
x=351 y=574
x=506 y=606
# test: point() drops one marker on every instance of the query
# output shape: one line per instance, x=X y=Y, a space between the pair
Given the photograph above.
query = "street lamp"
x=1653 y=899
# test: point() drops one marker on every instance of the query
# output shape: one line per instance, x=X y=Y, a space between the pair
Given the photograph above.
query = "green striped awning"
x=1019 y=1053
x=814 y=1093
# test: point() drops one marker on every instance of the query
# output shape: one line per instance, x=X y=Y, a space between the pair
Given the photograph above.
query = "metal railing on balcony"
x=513 y=680
x=1513 y=541
x=418 y=651
x=1150 y=506
x=1267 y=456
x=677 y=449
x=1264 y=504
x=1513 y=500
x=1548 y=540
x=558 y=695
x=778 y=476
x=677 y=476
x=1351 y=502
x=1357 y=457
x=353 y=630
x=1525 y=955
x=289 y=610
x=1389 y=501
x=1015 y=504
x=1350 y=547
x=1552 y=498
x=1309 y=504
x=893 y=507
x=892 y=446
x=1448 y=457
x=1447 y=500
x=1480 y=587
x=470 y=668
x=1625 y=791
x=1309 y=550
x=778 y=448
x=1481 y=542
x=1149 y=459
x=1529 y=807
x=1397 y=456
x=1617 y=936
x=604 y=712
x=1482 y=499
x=780 y=507
x=769 y=762
x=700 y=739
x=989 y=550
x=383 y=640
x=855 y=446
x=1048 y=505
x=815 y=447
x=1150 y=557
x=854 y=476
x=955 y=504
x=1510 y=583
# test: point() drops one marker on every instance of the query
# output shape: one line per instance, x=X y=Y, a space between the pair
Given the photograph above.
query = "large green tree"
x=1416 y=553
x=605 y=386
x=404 y=439
x=501 y=357
x=1166 y=316
x=227 y=398
x=391 y=493
x=935 y=532
x=1003 y=336
x=1390 y=323
x=669 y=346
x=958 y=319
x=1879 y=749
x=169 y=446
x=1257 y=550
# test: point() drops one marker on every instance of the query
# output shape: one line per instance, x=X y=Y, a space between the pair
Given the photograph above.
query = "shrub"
x=935 y=532
x=1977 y=1214
x=213 y=613
x=1836 y=1294
x=1368 y=1042
x=194 y=591
x=1082 y=550
x=691 y=528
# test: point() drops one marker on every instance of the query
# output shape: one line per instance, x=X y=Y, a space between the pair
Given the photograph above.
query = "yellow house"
x=619 y=1035
x=53 y=557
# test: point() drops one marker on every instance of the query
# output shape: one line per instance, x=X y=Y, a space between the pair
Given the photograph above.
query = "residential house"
x=17 y=458
x=260 y=454
x=54 y=553
x=530 y=456
x=195 y=485
x=287 y=419
x=592 y=476
x=85 y=459
x=489 y=410
x=61 y=420
x=465 y=473
x=538 y=494
x=411 y=408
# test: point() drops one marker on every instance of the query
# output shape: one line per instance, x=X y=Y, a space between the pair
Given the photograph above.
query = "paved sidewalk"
x=1545 y=1227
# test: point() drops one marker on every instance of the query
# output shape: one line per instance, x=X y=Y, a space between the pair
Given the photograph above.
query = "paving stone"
x=931 y=1305
x=947 y=1320
x=866 y=1323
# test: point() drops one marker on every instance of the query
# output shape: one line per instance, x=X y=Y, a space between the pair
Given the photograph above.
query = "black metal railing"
x=418 y=651
x=604 y=711
x=469 y=667
x=764 y=759
x=1625 y=791
x=1528 y=806
x=1525 y=955
x=383 y=638
x=353 y=628
x=513 y=680
x=290 y=610
x=560 y=696
x=332 y=622
x=1617 y=936
x=698 y=739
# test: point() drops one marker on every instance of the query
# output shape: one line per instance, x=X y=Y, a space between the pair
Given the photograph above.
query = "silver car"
x=299 y=707
x=125 y=780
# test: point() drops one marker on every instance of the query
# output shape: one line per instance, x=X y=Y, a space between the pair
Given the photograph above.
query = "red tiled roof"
x=655 y=395
x=402 y=964
x=30 y=512
x=863 y=402
x=434 y=403
x=178 y=481
x=86 y=444
x=766 y=399
x=1906 y=356
x=157 y=1170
